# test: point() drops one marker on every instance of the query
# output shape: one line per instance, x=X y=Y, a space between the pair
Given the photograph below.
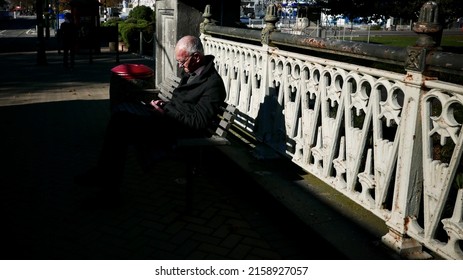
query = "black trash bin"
x=131 y=83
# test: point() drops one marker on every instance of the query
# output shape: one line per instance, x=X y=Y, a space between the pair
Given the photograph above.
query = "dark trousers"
x=68 y=55
x=148 y=134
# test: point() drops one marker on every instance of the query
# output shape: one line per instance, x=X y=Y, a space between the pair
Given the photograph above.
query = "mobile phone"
x=146 y=104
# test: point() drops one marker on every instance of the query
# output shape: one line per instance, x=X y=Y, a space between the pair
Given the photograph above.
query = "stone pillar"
x=177 y=18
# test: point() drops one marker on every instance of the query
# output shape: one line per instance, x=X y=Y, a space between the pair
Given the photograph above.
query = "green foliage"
x=142 y=13
x=112 y=22
x=136 y=22
x=375 y=27
x=404 y=41
x=130 y=29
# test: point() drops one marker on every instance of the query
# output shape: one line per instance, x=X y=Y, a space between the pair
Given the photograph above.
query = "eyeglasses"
x=181 y=64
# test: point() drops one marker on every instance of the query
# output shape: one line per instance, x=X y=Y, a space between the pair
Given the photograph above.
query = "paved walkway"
x=52 y=121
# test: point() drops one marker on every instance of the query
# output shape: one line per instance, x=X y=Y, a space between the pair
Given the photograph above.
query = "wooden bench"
x=194 y=147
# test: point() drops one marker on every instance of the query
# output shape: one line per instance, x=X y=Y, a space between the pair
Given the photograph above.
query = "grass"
x=404 y=41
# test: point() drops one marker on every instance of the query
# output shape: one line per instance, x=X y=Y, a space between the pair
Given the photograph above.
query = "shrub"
x=112 y=21
x=143 y=13
x=140 y=19
x=130 y=32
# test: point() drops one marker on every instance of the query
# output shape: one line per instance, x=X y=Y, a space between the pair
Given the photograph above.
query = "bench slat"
x=167 y=87
x=227 y=117
x=221 y=132
x=214 y=140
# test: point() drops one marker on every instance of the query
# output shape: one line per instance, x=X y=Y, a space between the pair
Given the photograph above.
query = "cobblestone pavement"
x=52 y=121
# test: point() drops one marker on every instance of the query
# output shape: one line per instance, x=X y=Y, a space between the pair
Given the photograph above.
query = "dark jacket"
x=67 y=33
x=194 y=106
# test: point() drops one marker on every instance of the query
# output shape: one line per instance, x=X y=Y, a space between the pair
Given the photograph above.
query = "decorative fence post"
x=391 y=141
x=409 y=191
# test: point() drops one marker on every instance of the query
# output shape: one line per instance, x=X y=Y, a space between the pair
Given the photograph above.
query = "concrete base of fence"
x=354 y=231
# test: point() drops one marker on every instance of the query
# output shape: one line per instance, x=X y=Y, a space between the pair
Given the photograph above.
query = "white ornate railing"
x=391 y=142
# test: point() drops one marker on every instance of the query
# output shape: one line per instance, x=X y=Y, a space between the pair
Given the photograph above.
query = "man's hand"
x=157 y=105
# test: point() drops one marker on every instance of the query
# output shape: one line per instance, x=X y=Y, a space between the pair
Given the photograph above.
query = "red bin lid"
x=133 y=71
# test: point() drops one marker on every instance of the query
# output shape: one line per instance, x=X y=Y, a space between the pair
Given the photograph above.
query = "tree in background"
x=349 y=8
x=112 y=3
x=3 y=4
x=407 y=10
x=451 y=10
x=140 y=19
x=143 y=13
